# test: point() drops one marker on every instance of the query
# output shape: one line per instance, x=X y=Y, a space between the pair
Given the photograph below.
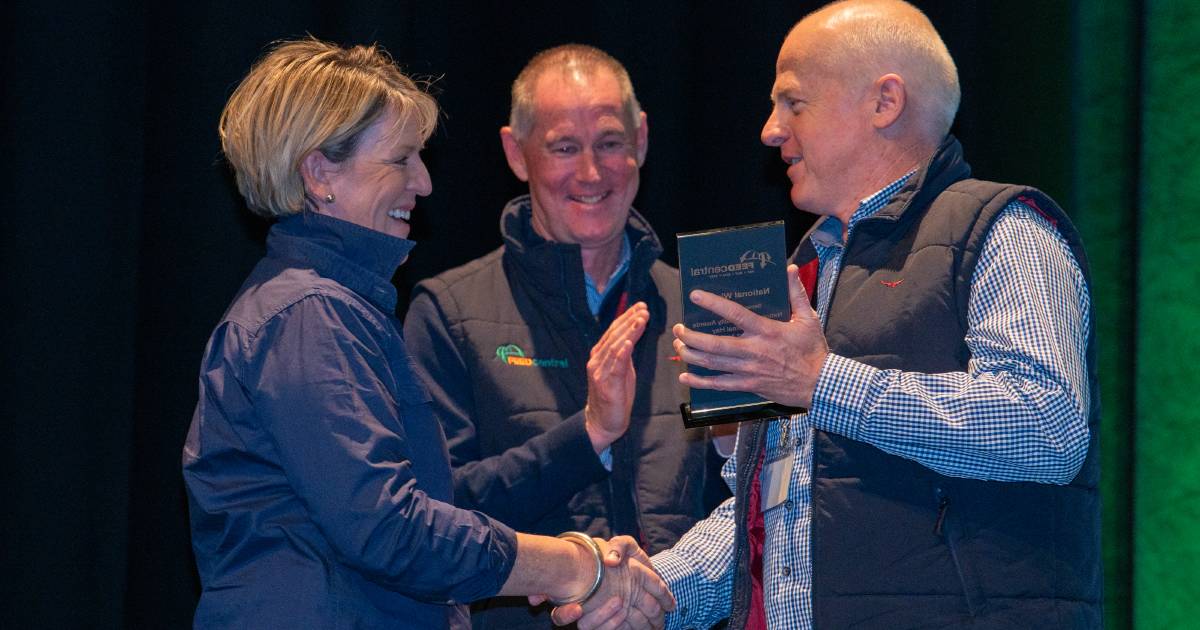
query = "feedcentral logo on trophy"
x=512 y=354
x=762 y=258
x=746 y=262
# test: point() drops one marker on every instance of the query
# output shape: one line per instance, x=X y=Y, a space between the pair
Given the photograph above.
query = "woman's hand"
x=631 y=596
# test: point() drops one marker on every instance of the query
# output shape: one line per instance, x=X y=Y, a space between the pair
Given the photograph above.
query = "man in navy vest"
x=530 y=352
x=945 y=473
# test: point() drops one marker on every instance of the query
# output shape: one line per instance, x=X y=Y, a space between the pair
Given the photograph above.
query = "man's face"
x=580 y=157
x=822 y=130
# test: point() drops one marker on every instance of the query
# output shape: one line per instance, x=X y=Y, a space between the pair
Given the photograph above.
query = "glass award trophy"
x=746 y=264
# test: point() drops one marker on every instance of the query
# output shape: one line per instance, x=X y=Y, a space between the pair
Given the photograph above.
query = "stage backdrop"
x=123 y=238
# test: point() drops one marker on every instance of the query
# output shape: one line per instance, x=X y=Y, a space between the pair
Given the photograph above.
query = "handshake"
x=623 y=592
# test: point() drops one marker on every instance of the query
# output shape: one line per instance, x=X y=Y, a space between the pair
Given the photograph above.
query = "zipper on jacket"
x=739 y=607
x=813 y=600
x=943 y=505
x=940 y=530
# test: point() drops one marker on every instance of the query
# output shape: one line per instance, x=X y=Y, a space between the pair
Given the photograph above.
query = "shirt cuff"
x=840 y=398
x=579 y=445
x=693 y=594
x=606 y=458
x=724 y=445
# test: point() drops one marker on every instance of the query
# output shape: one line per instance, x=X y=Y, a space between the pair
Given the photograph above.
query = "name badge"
x=776 y=474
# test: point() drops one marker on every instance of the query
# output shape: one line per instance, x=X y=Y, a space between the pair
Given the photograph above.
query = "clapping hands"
x=611 y=378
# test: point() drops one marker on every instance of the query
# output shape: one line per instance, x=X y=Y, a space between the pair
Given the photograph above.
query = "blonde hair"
x=307 y=95
x=568 y=58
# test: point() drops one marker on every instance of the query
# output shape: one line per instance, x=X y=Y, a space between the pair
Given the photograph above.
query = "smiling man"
x=541 y=436
x=945 y=474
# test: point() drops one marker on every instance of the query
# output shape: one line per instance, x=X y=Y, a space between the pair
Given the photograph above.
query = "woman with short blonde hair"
x=310 y=95
x=318 y=479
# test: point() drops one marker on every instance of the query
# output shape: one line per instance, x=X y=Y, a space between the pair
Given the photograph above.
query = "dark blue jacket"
x=318 y=478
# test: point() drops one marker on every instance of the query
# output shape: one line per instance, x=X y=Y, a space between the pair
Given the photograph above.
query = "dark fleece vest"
x=530 y=294
x=894 y=544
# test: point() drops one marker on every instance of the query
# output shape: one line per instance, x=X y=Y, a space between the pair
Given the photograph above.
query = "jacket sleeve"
x=332 y=403
x=521 y=485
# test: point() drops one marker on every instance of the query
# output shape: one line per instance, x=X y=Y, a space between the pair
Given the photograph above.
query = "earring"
x=329 y=198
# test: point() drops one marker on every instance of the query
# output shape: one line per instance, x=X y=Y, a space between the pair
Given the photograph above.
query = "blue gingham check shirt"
x=1019 y=412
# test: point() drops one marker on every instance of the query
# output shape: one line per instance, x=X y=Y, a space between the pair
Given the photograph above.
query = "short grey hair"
x=568 y=58
x=907 y=44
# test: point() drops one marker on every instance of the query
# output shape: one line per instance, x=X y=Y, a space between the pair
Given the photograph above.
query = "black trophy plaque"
x=746 y=264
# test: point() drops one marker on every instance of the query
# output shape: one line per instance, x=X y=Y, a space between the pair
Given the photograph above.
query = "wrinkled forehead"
x=574 y=84
x=572 y=73
x=803 y=45
x=395 y=127
x=794 y=70
x=573 y=92
x=816 y=54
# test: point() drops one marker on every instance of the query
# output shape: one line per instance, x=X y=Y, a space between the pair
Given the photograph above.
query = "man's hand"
x=779 y=361
x=611 y=378
x=631 y=596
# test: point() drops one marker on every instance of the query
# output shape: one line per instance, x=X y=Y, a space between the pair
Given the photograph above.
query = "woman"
x=318 y=480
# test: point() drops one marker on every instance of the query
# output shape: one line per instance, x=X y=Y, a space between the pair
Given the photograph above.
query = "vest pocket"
x=947 y=527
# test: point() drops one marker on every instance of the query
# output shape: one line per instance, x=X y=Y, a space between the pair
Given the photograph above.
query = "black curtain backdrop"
x=124 y=238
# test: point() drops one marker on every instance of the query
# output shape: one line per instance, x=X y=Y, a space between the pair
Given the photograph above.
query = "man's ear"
x=316 y=171
x=890 y=96
x=643 y=139
x=512 y=152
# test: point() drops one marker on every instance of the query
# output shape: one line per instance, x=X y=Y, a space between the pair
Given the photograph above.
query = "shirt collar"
x=829 y=233
x=596 y=298
x=359 y=258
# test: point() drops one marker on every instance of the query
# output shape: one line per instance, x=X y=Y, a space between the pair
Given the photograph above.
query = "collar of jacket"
x=555 y=270
x=361 y=259
x=942 y=169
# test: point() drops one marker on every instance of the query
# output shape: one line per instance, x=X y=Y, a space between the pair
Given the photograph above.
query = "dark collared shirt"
x=317 y=476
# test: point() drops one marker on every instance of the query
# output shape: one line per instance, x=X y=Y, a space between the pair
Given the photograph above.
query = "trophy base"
x=734 y=413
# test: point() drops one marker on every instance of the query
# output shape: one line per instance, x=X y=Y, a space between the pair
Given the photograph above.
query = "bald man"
x=946 y=472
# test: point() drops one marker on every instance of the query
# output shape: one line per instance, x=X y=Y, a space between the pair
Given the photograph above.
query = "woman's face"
x=378 y=186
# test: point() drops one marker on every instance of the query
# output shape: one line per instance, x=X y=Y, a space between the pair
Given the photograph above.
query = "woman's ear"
x=316 y=171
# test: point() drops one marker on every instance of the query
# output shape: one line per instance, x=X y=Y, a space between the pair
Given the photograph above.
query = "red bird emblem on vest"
x=892 y=284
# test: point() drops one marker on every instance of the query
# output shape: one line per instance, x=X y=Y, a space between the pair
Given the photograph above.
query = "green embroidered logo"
x=512 y=354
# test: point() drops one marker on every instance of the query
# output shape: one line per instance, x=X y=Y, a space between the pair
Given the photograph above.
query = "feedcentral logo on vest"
x=512 y=354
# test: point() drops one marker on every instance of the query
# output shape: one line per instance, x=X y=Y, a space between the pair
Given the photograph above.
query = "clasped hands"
x=631 y=594
x=780 y=361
